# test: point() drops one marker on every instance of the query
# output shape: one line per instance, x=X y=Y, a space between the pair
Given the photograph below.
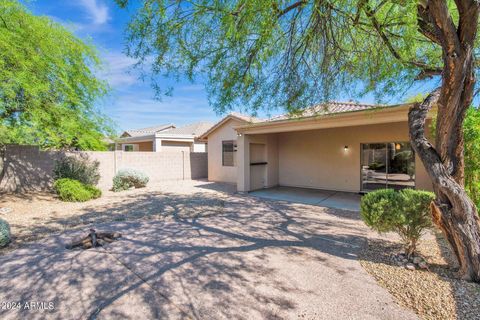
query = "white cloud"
x=97 y=10
x=119 y=71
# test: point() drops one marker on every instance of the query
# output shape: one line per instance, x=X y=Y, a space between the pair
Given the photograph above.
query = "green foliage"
x=379 y=210
x=128 y=178
x=267 y=54
x=48 y=84
x=79 y=168
x=471 y=133
x=74 y=191
x=4 y=233
x=406 y=212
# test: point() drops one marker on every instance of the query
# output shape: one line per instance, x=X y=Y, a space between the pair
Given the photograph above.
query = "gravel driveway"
x=211 y=255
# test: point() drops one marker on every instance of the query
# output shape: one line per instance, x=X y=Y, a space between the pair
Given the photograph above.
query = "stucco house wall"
x=317 y=158
x=217 y=172
x=176 y=146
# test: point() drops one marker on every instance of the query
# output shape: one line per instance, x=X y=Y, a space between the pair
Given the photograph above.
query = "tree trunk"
x=453 y=212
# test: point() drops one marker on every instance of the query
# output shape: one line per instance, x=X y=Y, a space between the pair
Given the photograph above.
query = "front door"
x=387 y=165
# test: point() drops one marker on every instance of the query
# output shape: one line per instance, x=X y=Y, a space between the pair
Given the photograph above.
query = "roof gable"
x=245 y=119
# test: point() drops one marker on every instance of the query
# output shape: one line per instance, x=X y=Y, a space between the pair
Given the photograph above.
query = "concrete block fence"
x=27 y=168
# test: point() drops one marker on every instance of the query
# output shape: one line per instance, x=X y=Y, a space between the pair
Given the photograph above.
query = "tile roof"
x=245 y=117
x=148 y=130
x=326 y=108
x=195 y=129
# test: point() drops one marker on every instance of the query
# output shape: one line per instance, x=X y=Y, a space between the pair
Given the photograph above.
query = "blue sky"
x=131 y=103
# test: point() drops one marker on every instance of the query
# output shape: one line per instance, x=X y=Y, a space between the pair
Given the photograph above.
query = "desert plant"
x=79 y=168
x=415 y=212
x=128 y=178
x=4 y=233
x=75 y=191
x=406 y=212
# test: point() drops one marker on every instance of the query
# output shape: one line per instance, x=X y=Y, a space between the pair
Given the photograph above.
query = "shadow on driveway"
x=202 y=256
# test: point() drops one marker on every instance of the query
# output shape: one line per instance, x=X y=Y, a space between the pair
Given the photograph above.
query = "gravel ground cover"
x=38 y=215
x=433 y=294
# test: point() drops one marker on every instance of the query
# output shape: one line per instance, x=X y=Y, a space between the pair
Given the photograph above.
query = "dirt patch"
x=34 y=216
x=433 y=294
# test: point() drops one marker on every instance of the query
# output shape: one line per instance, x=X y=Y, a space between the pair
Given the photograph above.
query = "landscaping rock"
x=437 y=294
x=5 y=210
x=410 y=266
x=417 y=260
x=423 y=265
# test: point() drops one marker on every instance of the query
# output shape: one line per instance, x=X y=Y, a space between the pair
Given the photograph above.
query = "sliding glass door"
x=387 y=165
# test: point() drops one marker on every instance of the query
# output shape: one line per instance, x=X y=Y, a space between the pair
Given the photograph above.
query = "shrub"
x=4 y=233
x=75 y=191
x=128 y=178
x=77 y=168
x=406 y=212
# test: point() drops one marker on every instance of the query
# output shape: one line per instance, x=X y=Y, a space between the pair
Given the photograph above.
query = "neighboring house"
x=335 y=146
x=165 y=138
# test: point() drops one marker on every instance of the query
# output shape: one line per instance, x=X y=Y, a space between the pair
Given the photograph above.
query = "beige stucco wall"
x=217 y=172
x=26 y=168
x=317 y=159
x=199 y=147
x=176 y=146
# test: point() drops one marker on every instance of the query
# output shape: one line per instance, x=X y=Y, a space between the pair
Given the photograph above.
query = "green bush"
x=79 y=168
x=406 y=212
x=128 y=178
x=4 y=233
x=74 y=191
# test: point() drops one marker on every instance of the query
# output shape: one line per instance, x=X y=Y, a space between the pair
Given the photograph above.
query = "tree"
x=471 y=132
x=48 y=87
x=265 y=54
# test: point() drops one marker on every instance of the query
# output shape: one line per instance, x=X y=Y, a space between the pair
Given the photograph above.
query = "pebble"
x=410 y=266
x=417 y=260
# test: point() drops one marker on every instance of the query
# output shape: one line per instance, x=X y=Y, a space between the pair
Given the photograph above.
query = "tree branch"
x=427 y=71
x=291 y=7
x=443 y=20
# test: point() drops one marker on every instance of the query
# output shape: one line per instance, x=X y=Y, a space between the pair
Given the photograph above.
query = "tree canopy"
x=292 y=54
x=48 y=86
x=259 y=54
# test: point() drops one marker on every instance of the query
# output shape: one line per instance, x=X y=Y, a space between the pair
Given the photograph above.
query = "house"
x=164 y=137
x=334 y=146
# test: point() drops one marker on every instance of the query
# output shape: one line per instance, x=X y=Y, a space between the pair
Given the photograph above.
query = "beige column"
x=243 y=163
x=157 y=144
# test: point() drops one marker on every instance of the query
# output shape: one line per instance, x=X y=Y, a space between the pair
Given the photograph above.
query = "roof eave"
x=388 y=114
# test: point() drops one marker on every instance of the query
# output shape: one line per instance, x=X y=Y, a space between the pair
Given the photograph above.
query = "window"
x=228 y=149
x=128 y=147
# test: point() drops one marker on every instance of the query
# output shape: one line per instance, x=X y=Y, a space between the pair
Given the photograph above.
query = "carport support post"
x=243 y=163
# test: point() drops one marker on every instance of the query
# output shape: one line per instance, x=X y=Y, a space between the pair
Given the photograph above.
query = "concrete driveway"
x=255 y=259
